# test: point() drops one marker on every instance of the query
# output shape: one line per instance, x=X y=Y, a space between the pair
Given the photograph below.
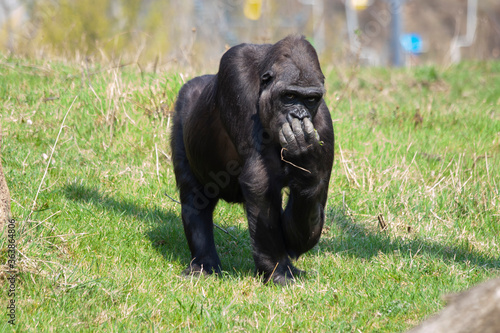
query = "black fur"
x=229 y=135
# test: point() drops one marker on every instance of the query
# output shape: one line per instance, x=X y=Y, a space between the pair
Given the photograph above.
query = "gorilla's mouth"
x=298 y=134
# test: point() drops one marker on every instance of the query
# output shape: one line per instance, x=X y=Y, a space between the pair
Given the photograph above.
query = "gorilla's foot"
x=198 y=268
x=284 y=275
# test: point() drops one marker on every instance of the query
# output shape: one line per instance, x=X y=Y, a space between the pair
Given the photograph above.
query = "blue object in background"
x=412 y=43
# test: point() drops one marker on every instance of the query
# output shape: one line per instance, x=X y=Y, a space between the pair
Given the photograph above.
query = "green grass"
x=103 y=248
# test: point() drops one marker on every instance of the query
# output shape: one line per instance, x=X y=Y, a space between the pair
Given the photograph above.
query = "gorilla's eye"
x=290 y=96
x=312 y=99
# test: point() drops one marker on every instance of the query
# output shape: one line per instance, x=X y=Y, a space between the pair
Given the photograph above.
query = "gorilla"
x=257 y=126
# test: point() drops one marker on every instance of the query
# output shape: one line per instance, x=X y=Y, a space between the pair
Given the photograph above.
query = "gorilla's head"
x=292 y=84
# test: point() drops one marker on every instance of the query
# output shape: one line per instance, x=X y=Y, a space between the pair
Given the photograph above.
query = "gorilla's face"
x=290 y=95
x=300 y=102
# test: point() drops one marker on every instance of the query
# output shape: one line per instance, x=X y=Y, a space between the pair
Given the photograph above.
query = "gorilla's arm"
x=262 y=191
x=311 y=148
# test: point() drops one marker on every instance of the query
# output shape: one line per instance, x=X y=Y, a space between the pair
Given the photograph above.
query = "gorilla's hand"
x=299 y=139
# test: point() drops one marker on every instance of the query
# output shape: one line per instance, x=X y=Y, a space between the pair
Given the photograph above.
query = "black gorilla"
x=259 y=125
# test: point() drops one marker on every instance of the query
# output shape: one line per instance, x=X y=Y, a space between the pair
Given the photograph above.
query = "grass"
x=103 y=248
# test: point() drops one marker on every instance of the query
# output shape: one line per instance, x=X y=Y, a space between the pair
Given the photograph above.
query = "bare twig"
x=343 y=202
x=348 y=172
x=283 y=159
x=272 y=273
x=168 y=196
x=217 y=226
x=50 y=159
x=43 y=221
x=381 y=222
x=224 y=230
x=157 y=168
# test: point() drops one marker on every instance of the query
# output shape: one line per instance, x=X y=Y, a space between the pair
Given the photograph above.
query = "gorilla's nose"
x=300 y=114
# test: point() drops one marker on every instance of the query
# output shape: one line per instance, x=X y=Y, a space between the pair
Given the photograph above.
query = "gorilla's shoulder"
x=196 y=85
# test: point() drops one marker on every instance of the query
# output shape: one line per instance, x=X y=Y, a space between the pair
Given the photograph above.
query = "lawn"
x=100 y=247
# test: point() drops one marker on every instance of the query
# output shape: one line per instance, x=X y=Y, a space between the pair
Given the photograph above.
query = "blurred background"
x=196 y=33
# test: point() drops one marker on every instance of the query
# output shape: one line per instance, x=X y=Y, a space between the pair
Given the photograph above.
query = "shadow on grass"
x=167 y=236
x=165 y=229
x=357 y=240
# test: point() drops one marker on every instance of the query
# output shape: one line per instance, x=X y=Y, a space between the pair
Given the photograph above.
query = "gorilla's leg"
x=197 y=212
x=197 y=208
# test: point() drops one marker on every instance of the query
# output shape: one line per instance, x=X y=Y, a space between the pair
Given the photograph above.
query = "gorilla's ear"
x=266 y=77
